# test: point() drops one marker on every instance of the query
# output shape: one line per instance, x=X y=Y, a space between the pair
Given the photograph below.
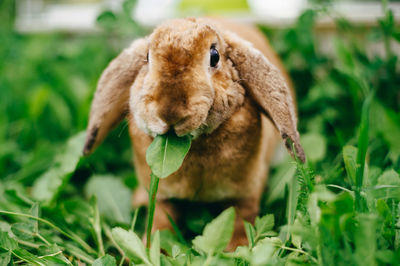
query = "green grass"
x=340 y=208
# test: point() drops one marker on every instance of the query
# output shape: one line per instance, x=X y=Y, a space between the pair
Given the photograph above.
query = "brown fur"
x=223 y=107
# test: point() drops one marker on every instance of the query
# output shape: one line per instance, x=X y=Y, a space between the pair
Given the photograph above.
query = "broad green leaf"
x=385 y=192
x=384 y=211
x=313 y=209
x=47 y=186
x=131 y=244
x=58 y=259
x=385 y=122
x=24 y=231
x=106 y=260
x=169 y=240
x=265 y=224
x=217 y=234
x=388 y=186
x=6 y=242
x=29 y=257
x=350 y=162
x=166 y=153
x=155 y=249
x=242 y=253
x=262 y=253
x=389 y=177
x=114 y=198
x=5 y=258
x=279 y=180
x=276 y=241
x=314 y=146
x=365 y=240
x=296 y=241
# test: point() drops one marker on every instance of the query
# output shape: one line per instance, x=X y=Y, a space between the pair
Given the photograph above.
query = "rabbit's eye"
x=214 y=57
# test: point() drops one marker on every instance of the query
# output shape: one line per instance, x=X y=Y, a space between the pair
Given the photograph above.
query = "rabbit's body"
x=230 y=163
x=201 y=79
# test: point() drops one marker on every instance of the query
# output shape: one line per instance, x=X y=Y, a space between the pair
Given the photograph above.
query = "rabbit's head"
x=189 y=76
x=188 y=85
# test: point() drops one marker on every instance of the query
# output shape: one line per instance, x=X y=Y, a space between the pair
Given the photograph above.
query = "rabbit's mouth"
x=154 y=118
x=153 y=125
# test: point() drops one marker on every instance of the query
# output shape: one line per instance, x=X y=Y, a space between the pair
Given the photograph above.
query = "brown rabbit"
x=220 y=82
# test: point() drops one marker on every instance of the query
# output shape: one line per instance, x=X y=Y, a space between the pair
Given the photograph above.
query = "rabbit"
x=222 y=83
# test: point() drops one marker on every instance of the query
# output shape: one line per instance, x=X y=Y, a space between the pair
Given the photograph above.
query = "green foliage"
x=113 y=197
x=166 y=153
x=47 y=186
x=340 y=208
x=165 y=156
x=132 y=245
x=216 y=234
x=106 y=260
x=120 y=23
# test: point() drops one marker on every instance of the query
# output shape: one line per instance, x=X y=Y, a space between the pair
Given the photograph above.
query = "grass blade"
x=152 y=206
x=362 y=151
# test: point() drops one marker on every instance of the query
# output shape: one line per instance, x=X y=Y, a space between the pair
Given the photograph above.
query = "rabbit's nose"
x=170 y=116
x=175 y=124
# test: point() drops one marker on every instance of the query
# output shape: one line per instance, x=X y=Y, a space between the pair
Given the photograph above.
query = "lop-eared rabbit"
x=218 y=81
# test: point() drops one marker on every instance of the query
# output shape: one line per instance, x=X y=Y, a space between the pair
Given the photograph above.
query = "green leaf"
x=216 y=235
x=314 y=146
x=6 y=242
x=350 y=162
x=169 y=240
x=362 y=151
x=114 y=198
x=265 y=224
x=385 y=122
x=262 y=253
x=79 y=253
x=250 y=233
x=365 y=240
x=35 y=211
x=106 y=260
x=5 y=258
x=29 y=257
x=283 y=176
x=154 y=180
x=95 y=221
x=155 y=249
x=131 y=244
x=55 y=255
x=47 y=186
x=166 y=153
x=388 y=186
x=292 y=199
x=23 y=231
x=389 y=177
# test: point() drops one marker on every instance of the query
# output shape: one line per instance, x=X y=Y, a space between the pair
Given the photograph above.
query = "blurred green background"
x=47 y=81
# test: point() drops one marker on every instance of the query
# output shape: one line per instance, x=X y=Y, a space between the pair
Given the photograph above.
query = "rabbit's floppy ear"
x=111 y=100
x=265 y=84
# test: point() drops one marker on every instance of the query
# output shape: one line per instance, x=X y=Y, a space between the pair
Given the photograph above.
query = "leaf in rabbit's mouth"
x=166 y=153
